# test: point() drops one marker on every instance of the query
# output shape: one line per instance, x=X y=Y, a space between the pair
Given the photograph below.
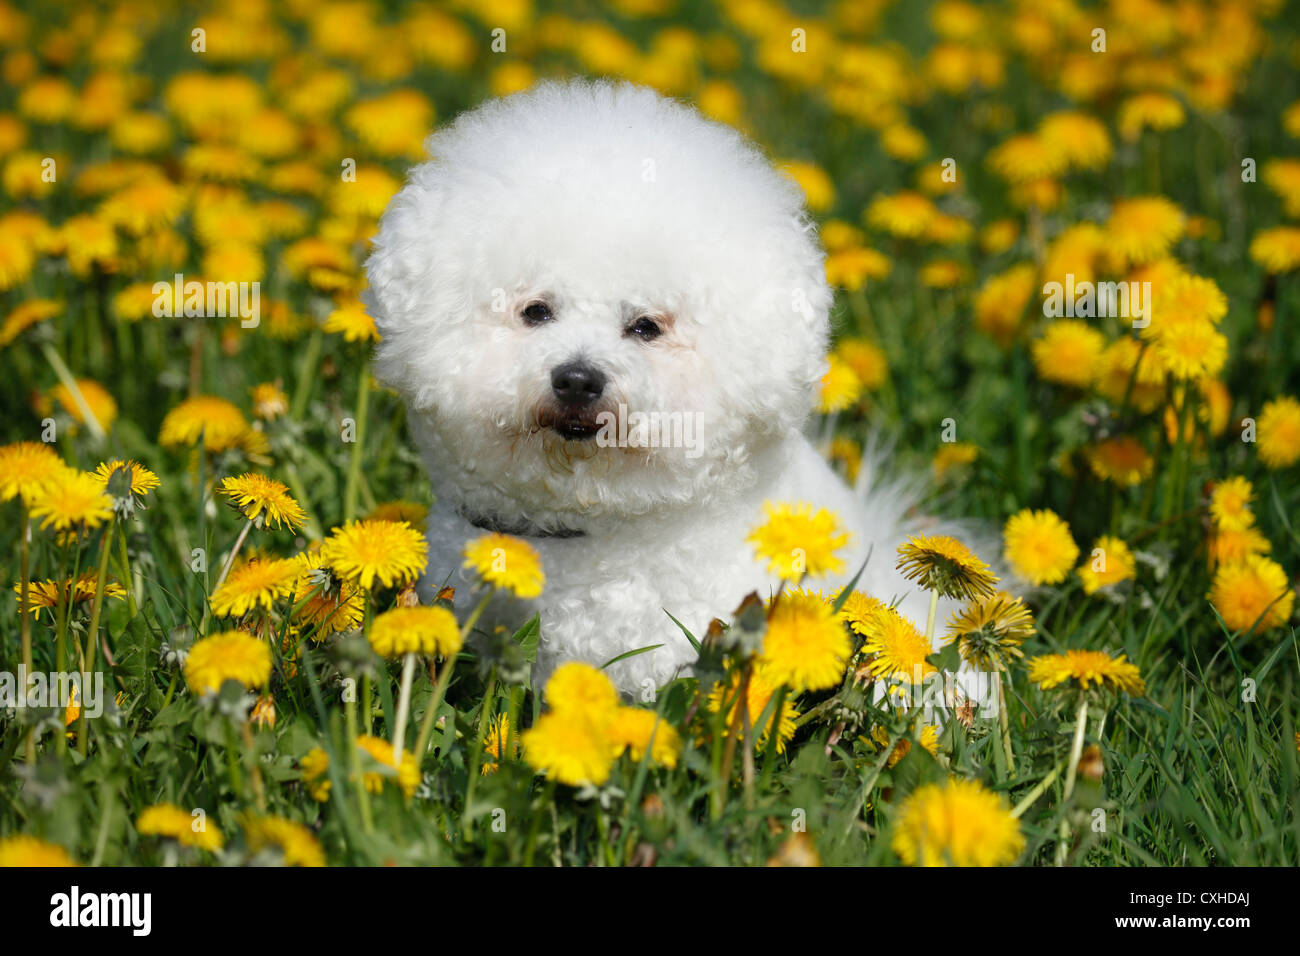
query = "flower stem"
x=930 y=615
x=128 y=581
x=24 y=616
x=354 y=755
x=1076 y=751
x=431 y=712
x=476 y=748
x=444 y=677
x=234 y=553
x=1037 y=792
x=69 y=382
x=359 y=440
x=403 y=704
x=1005 y=723
x=92 y=632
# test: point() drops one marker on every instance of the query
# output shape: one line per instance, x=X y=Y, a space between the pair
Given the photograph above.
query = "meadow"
x=220 y=516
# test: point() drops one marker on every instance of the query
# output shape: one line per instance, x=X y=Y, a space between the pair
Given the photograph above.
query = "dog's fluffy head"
x=607 y=226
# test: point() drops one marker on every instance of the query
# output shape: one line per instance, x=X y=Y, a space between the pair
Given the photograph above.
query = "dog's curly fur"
x=608 y=202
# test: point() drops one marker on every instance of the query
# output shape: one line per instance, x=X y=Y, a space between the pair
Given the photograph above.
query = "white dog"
x=571 y=260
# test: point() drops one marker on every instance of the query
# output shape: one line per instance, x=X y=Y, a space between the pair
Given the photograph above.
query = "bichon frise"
x=608 y=317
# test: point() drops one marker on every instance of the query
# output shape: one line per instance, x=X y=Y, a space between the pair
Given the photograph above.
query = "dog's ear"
x=404 y=294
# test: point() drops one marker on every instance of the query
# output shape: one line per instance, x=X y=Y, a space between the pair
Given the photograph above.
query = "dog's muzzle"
x=576 y=387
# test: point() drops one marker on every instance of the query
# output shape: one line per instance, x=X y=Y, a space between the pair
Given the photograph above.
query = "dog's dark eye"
x=535 y=313
x=645 y=328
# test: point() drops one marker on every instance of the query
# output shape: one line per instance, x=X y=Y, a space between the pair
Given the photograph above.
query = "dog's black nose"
x=577 y=383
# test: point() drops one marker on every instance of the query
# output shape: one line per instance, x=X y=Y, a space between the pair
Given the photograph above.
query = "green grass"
x=1200 y=770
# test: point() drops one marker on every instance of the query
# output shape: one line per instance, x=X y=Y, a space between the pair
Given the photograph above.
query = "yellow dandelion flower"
x=365 y=551
x=324 y=607
x=216 y=422
x=1122 y=460
x=1277 y=249
x=49 y=593
x=958 y=823
x=71 y=499
x=860 y=611
x=579 y=688
x=1087 y=668
x=1154 y=111
x=839 y=388
x=496 y=741
x=263 y=501
x=1027 y=158
x=256 y=583
x=29 y=851
x=795 y=540
x=143 y=480
x=951 y=456
x=89 y=398
x=394 y=124
x=1230 y=504
x=1278 y=433
x=905 y=214
x=1068 y=353
x=409 y=511
x=1130 y=371
x=897 y=650
x=220 y=163
x=990 y=630
x=1254 y=589
x=315 y=765
x=570 y=748
x=1110 y=563
x=1081 y=139
x=632 y=730
x=942 y=563
x=1143 y=228
x=850 y=268
x=1038 y=546
x=904 y=142
x=1185 y=297
x=805 y=646
x=169 y=820
x=1283 y=177
x=415 y=630
x=848 y=454
x=269 y=401
x=817 y=188
x=16 y=261
x=232 y=655
x=1225 y=547
x=999 y=236
x=296 y=844
x=1000 y=302
x=24 y=316
x=353 y=322
x=867 y=360
x=25 y=468
x=759 y=696
x=879 y=739
x=407 y=772
x=234 y=262
x=506 y=562
x=943 y=274
x=1192 y=350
